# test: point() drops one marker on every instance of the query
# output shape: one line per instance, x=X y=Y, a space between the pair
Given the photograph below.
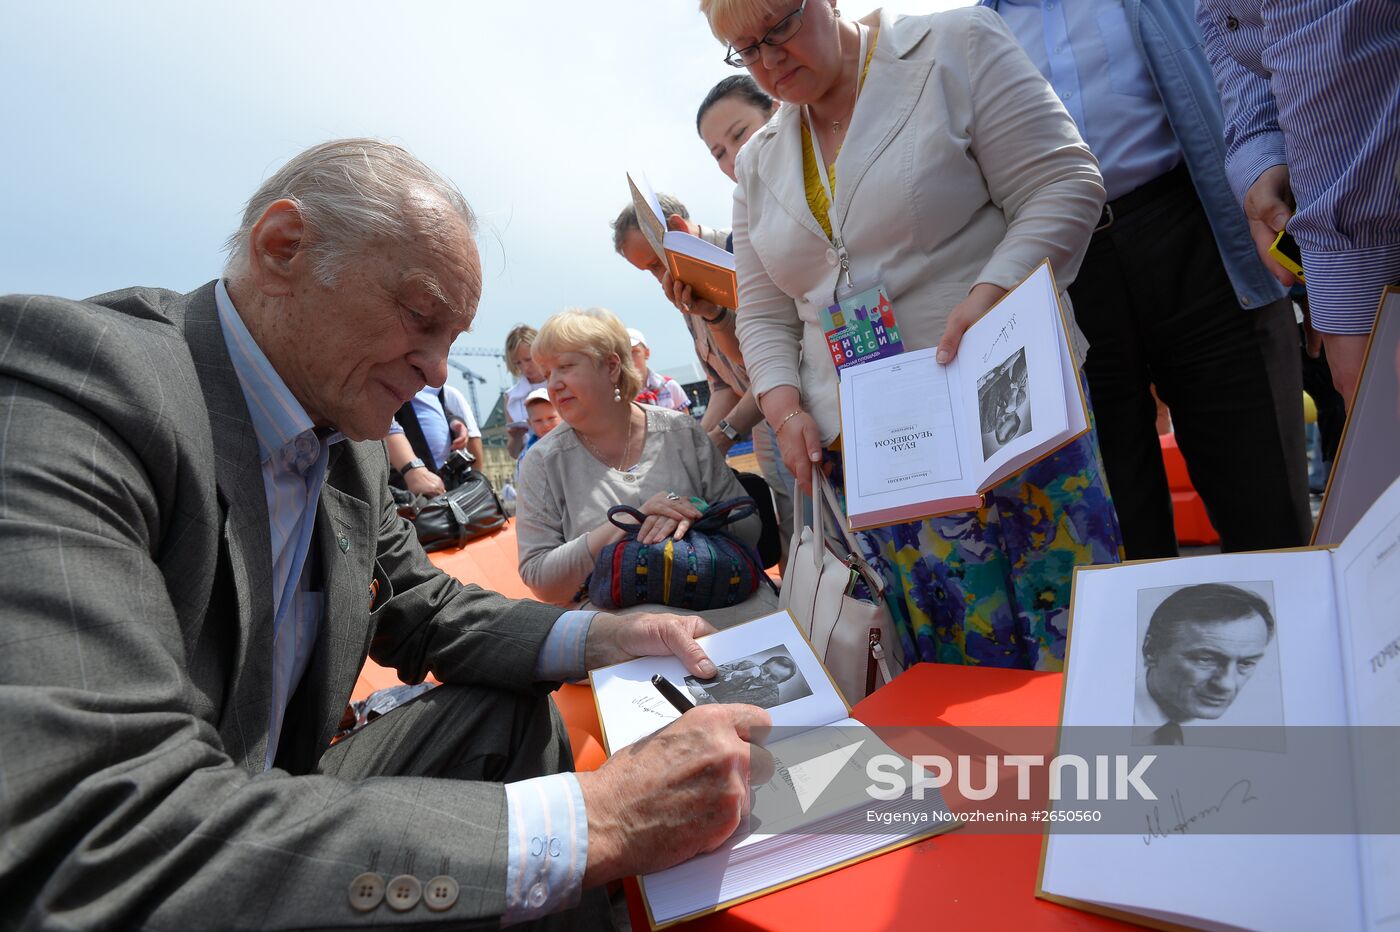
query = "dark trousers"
x=467 y=733
x=1156 y=304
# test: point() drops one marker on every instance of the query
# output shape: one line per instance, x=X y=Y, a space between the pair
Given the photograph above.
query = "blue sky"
x=133 y=132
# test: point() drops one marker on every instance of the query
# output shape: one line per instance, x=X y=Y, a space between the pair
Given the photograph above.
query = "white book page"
x=752 y=669
x=811 y=815
x=1249 y=878
x=1013 y=377
x=899 y=437
x=687 y=244
x=1368 y=579
x=650 y=219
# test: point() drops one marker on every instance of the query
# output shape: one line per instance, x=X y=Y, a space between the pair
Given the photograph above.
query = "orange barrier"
x=492 y=563
x=1193 y=525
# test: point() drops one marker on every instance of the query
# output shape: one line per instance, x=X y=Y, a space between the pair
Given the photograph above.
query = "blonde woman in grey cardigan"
x=611 y=451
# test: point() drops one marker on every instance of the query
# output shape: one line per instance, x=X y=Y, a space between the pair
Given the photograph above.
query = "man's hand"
x=1267 y=206
x=459 y=433
x=615 y=638
x=686 y=301
x=674 y=794
x=423 y=481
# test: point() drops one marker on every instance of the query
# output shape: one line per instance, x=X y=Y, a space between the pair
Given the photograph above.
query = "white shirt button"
x=366 y=892
x=1067 y=95
x=440 y=893
x=403 y=893
x=538 y=894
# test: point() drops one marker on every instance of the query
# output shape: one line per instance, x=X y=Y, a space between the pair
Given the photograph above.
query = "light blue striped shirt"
x=294 y=454
x=1315 y=85
x=548 y=825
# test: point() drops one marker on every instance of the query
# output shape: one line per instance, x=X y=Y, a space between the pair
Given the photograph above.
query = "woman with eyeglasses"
x=925 y=155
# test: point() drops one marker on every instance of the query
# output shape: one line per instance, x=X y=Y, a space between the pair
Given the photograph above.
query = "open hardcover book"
x=922 y=439
x=1266 y=688
x=705 y=267
x=816 y=814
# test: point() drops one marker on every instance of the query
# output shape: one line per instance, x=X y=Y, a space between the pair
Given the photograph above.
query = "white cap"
x=539 y=394
x=638 y=338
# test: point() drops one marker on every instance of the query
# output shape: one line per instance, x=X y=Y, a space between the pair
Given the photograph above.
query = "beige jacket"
x=961 y=166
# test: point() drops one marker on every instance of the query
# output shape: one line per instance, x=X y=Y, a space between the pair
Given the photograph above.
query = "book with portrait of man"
x=816 y=813
x=1262 y=692
x=705 y=267
x=922 y=439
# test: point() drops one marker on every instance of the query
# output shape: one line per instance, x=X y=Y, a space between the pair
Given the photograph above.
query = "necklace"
x=621 y=466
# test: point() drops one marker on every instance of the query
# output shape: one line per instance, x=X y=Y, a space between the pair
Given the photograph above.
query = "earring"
x=837 y=11
x=617 y=394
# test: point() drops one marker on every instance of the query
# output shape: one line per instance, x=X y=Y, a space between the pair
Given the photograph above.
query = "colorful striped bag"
x=708 y=568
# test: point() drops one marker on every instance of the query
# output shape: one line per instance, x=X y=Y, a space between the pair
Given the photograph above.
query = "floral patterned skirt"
x=992 y=586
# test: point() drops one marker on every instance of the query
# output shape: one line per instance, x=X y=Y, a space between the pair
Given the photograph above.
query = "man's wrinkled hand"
x=675 y=794
x=615 y=638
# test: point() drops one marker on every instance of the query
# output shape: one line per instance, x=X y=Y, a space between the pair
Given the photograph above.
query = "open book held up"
x=922 y=439
x=816 y=814
x=706 y=268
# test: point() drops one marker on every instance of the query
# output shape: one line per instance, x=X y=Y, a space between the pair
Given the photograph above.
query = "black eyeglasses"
x=783 y=30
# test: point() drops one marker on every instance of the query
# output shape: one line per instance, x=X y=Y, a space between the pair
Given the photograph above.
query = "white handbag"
x=853 y=637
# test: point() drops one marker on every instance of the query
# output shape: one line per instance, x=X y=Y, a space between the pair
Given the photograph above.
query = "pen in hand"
x=672 y=694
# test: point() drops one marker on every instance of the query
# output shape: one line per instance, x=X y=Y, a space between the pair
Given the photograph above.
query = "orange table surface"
x=491 y=562
x=958 y=880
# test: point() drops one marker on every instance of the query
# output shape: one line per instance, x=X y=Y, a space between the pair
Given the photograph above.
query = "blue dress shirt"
x=432 y=420
x=1086 y=51
x=1168 y=43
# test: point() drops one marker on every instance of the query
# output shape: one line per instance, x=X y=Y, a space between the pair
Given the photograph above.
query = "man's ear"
x=275 y=250
x=679 y=224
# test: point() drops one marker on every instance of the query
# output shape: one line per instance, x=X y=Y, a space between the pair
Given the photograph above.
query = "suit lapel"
x=246 y=533
x=892 y=88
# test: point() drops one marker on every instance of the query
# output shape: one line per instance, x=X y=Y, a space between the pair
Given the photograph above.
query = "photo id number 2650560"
x=1066 y=815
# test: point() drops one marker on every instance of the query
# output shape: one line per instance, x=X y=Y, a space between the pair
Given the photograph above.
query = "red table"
x=959 y=880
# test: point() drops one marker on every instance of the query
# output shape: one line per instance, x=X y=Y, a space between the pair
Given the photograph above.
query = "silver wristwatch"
x=728 y=430
x=415 y=463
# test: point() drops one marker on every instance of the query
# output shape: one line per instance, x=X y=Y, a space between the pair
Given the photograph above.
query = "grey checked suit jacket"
x=135 y=647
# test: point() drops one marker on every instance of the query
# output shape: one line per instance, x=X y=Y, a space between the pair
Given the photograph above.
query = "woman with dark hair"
x=734 y=110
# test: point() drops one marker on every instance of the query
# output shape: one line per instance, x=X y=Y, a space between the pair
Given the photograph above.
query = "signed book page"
x=922 y=439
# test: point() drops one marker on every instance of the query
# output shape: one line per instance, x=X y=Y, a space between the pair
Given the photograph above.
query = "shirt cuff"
x=548 y=848
x=561 y=656
x=1252 y=159
x=1345 y=288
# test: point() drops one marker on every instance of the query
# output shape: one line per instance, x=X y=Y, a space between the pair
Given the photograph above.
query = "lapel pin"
x=344 y=543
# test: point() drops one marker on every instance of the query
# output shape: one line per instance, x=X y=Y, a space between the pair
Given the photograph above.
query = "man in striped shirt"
x=1311 y=90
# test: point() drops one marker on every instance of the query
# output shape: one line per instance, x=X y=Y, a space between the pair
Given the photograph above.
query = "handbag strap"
x=633 y=513
x=827 y=502
x=714 y=518
x=725 y=513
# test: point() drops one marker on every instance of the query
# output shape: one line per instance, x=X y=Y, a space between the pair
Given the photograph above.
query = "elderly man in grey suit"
x=200 y=550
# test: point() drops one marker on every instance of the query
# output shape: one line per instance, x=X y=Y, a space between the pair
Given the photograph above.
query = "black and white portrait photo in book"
x=1003 y=402
x=767 y=678
x=1208 y=657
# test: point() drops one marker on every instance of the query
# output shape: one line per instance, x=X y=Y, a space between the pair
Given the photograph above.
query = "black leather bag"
x=467 y=512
